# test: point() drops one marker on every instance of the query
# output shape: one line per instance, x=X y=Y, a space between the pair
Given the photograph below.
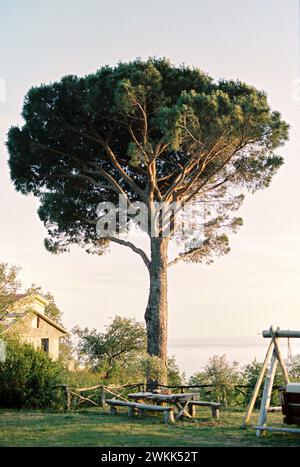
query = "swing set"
x=290 y=394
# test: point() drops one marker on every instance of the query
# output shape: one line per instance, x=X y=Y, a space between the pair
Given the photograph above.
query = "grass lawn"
x=98 y=428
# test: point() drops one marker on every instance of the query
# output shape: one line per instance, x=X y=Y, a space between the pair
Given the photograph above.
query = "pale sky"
x=256 y=41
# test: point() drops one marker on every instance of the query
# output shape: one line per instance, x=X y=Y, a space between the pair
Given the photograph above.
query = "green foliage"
x=294 y=368
x=250 y=375
x=118 y=355
x=117 y=347
x=175 y=377
x=82 y=378
x=28 y=377
x=52 y=309
x=224 y=375
x=9 y=286
x=86 y=140
x=152 y=368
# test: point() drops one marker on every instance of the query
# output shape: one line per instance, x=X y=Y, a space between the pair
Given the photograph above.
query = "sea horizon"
x=193 y=354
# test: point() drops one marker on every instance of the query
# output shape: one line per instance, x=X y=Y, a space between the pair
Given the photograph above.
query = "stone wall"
x=33 y=335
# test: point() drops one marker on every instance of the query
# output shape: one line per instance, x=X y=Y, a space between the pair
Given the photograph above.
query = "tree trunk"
x=156 y=315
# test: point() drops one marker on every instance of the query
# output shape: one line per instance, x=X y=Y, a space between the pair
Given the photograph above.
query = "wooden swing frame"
x=273 y=356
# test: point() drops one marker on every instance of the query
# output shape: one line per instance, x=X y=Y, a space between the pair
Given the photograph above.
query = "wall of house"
x=33 y=335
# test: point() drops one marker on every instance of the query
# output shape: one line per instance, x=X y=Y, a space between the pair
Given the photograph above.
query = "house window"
x=35 y=322
x=45 y=344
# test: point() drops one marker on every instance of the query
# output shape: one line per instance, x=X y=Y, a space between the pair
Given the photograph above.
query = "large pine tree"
x=153 y=133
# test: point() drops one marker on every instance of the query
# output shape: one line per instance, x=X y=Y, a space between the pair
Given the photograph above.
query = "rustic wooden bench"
x=214 y=406
x=134 y=407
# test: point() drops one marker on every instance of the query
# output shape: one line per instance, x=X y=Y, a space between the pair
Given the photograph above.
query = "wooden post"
x=265 y=403
x=102 y=397
x=281 y=361
x=191 y=408
x=67 y=395
x=215 y=413
x=258 y=385
x=113 y=410
x=225 y=398
x=169 y=416
x=74 y=402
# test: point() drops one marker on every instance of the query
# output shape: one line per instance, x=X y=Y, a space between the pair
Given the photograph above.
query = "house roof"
x=37 y=297
x=50 y=321
x=12 y=317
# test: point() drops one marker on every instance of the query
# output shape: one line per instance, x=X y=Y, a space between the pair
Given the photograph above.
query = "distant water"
x=193 y=354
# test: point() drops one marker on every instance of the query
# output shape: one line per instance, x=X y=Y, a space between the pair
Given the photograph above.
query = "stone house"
x=27 y=318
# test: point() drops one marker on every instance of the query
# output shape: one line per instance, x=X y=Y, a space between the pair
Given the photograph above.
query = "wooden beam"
x=169 y=416
x=282 y=333
x=67 y=401
x=272 y=428
x=275 y=409
x=215 y=412
x=183 y=411
x=281 y=361
x=258 y=385
x=216 y=405
x=266 y=398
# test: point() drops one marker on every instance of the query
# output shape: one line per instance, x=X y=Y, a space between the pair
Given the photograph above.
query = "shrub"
x=250 y=376
x=83 y=378
x=28 y=378
x=223 y=375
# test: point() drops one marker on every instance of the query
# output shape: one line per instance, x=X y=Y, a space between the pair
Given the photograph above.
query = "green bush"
x=28 y=378
x=83 y=378
x=224 y=376
x=250 y=376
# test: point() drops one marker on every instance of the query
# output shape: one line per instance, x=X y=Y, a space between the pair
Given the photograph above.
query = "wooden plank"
x=275 y=409
x=258 y=385
x=217 y=405
x=153 y=408
x=278 y=429
x=139 y=395
x=266 y=398
x=118 y=403
x=282 y=333
x=136 y=405
x=163 y=397
x=172 y=397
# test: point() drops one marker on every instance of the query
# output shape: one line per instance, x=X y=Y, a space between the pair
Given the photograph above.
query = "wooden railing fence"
x=74 y=398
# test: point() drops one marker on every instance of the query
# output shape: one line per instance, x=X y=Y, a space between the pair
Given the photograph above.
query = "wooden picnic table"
x=181 y=401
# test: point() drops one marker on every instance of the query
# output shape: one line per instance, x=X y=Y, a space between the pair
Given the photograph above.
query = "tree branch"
x=183 y=256
x=99 y=139
x=134 y=248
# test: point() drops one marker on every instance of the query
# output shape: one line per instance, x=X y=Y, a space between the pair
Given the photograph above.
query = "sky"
x=256 y=41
